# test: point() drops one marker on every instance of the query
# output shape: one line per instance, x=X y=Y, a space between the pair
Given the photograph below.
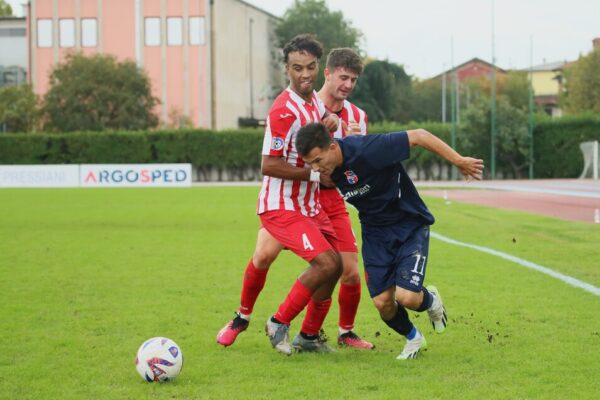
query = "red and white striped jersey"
x=288 y=113
x=331 y=200
x=348 y=113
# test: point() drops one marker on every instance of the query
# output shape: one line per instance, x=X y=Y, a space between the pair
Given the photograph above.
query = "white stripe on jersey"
x=276 y=193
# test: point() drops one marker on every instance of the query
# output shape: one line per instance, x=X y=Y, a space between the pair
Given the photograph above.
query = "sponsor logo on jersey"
x=357 y=192
x=277 y=143
x=282 y=116
x=351 y=177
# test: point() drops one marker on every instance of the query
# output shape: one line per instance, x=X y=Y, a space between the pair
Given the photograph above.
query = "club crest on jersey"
x=351 y=177
x=277 y=143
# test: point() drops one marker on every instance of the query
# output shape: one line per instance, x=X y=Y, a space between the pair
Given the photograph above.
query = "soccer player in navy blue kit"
x=394 y=219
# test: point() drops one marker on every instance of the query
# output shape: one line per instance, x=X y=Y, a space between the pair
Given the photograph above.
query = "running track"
x=569 y=199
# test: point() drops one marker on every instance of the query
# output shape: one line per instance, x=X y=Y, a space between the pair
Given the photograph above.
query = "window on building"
x=89 y=32
x=152 y=31
x=44 y=33
x=174 y=31
x=12 y=32
x=66 y=32
x=197 y=31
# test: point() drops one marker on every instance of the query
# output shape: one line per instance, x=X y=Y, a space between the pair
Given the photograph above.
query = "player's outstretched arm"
x=468 y=166
x=277 y=167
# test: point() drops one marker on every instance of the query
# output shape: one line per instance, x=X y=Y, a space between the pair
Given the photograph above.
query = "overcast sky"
x=419 y=33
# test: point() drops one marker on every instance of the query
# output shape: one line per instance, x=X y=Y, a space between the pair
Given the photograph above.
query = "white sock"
x=245 y=316
x=343 y=331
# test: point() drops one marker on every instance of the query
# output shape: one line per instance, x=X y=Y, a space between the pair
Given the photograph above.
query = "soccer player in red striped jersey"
x=290 y=212
x=342 y=70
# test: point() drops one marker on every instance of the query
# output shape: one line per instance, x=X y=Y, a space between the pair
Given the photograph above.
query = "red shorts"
x=306 y=237
x=335 y=208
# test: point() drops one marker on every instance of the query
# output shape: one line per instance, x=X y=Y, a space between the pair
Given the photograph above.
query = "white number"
x=419 y=265
x=307 y=245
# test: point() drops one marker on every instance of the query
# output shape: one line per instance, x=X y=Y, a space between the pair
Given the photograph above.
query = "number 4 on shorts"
x=306 y=242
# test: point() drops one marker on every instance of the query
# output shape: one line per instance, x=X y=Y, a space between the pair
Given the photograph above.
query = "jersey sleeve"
x=387 y=149
x=277 y=131
x=320 y=106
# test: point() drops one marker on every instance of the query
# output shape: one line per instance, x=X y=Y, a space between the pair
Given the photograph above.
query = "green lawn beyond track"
x=87 y=275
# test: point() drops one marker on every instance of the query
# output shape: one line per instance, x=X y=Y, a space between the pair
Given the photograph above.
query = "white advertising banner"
x=25 y=176
x=135 y=175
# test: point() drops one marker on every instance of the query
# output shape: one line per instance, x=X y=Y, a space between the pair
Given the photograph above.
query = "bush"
x=556 y=145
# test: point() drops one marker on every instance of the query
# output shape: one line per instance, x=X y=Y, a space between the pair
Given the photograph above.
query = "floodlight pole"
x=454 y=174
x=531 y=120
x=493 y=102
x=444 y=95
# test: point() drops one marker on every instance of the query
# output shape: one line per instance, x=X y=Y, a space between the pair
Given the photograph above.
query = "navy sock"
x=427 y=300
x=400 y=323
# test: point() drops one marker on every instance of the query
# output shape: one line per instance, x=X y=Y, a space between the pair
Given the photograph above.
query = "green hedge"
x=202 y=148
x=556 y=147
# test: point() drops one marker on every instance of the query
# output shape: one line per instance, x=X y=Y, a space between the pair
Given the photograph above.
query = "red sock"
x=348 y=298
x=315 y=316
x=254 y=281
x=294 y=303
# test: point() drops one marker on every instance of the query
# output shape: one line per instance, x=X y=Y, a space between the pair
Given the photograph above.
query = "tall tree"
x=384 y=91
x=5 y=9
x=583 y=84
x=19 y=111
x=313 y=16
x=98 y=92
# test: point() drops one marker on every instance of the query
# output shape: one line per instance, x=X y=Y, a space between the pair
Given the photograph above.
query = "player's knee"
x=329 y=263
x=408 y=299
x=263 y=258
x=350 y=276
x=386 y=308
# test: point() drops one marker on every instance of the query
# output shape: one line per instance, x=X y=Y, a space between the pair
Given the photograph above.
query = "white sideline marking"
x=528 y=264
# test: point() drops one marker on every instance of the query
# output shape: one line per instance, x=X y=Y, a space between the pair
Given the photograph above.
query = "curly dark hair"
x=345 y=57
x=304 y=42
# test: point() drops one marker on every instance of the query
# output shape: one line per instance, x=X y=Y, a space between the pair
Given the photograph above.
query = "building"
x=474 y=68
x=547 y=82
x=13 y=57
x=210 y=62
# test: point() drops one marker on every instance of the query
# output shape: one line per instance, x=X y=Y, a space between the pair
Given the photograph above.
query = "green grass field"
x=87 y=275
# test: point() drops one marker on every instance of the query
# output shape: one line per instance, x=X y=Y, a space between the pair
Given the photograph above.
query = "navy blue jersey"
x=374 y=181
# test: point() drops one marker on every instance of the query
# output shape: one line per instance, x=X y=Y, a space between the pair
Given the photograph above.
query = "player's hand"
x=326 y=181
x=331 y=122
x=471 y=168
x=351 y=128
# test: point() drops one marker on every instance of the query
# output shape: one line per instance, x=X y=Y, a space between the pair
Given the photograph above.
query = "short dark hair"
x=344 y=57
x=312 y=135
x=304 y=42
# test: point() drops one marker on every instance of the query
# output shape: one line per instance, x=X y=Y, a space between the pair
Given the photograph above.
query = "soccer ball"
x=159 y=360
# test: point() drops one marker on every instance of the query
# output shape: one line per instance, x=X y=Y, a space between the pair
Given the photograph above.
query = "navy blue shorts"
x=392 y=259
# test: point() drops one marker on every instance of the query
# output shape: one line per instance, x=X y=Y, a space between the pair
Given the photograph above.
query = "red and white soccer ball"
x=159 y=360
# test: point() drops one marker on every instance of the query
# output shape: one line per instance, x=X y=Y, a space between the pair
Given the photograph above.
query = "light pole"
x=493 y=102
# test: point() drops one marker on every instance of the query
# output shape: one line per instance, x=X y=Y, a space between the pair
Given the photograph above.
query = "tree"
x=96 y=93
x=512 y=145
x=5 y=9
x=384 y=91
x=583 y=84
x=313 y=16
x=19 y=110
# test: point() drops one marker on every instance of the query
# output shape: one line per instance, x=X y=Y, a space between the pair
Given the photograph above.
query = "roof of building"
x=553 y=66
x=258 y=9
x=472 y=60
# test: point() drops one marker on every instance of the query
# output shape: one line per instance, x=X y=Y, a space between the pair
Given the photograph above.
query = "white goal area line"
x=527 y=264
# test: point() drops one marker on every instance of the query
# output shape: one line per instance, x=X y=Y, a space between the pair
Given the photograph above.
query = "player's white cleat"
x=279 y=336
x=437 y=311
x=412 y=348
